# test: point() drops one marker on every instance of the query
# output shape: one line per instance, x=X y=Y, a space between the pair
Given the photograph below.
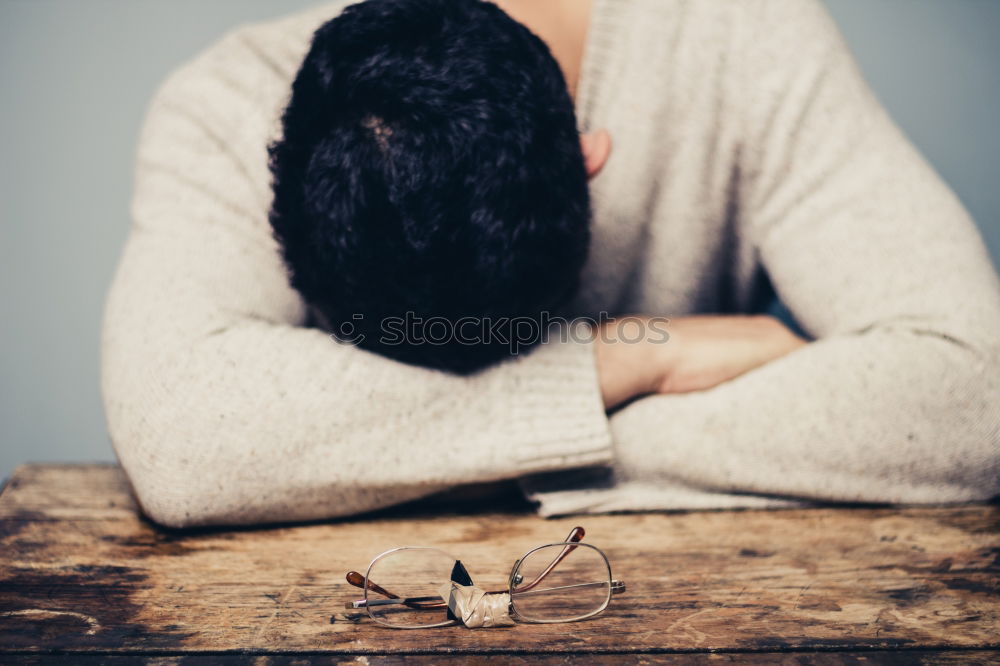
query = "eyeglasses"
x=417 y=587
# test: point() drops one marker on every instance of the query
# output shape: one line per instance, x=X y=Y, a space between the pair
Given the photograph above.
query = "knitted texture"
x=750 y=157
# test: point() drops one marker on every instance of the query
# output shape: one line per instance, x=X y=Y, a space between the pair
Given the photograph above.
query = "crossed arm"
x=898 y=397
x=223 y=408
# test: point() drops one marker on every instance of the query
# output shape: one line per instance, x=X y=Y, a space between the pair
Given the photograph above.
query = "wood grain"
x=82 y=572
x=907 y=658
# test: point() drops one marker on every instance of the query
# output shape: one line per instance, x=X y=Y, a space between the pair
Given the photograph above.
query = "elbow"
x=170 y=496
x=162 y=455
x=977 y=437
x=941 y=431
x=965 y=421
x=164 y=431
x=171 y=484
x=174 y=511
x=164 y=491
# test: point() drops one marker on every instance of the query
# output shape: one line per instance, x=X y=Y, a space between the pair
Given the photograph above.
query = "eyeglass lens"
x=577 y=587
x=408 y=581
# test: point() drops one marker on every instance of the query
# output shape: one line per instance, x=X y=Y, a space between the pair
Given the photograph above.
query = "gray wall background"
x=76 y=77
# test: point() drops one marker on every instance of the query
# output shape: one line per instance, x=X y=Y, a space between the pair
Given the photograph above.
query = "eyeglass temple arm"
x=358 y=580
x=575 y=536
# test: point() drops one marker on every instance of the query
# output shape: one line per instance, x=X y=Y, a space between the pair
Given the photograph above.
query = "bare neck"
x=561 y=24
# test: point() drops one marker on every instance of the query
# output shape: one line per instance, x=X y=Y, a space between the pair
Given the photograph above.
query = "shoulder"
x=746 y=23
x=228 y=98
x=274 y=46
x=246 y=73
x=792 y=31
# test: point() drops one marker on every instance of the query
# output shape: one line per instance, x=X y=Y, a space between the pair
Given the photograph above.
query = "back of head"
x=430 y=170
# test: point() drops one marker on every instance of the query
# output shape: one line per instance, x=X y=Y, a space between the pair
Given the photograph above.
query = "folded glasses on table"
x=415 y=587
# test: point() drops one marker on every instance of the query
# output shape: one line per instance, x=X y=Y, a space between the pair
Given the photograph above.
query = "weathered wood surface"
x=908 y=658
x=81 y=572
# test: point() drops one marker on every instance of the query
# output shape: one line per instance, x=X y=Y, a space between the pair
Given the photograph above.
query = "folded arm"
x=224 y=408
x=897 y=398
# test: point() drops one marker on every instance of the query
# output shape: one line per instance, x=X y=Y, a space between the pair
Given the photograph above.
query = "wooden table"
x=85 y=579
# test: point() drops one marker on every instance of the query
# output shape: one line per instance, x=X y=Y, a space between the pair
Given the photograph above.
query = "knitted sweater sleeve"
x=223 y=408
x=897 y=399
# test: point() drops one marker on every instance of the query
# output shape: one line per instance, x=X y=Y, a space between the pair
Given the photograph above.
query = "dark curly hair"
x=430 y=164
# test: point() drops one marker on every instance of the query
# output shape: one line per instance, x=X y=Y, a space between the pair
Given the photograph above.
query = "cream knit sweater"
x=749 y=152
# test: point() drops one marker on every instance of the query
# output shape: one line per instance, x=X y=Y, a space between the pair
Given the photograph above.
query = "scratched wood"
x=908 y=658
x=81 y=572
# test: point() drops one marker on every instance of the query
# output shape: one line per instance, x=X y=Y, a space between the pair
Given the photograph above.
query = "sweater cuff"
x=557 y=420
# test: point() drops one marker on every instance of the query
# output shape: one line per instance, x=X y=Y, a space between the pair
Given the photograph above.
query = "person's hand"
x=628 y=363
x=708 y=350
x=634 y=357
